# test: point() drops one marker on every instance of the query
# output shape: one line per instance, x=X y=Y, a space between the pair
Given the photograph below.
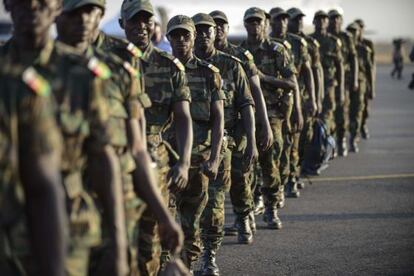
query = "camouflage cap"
x=254 y=12
x=320 y=13
x=130 y=8
x=353 y=26
x=180 y=22
x=268 y=16
x=295 y=12
x=277 y=12
x=334 y=13
x=70 y=5
x=203 y=19
x=219 y=15
x=360 y=22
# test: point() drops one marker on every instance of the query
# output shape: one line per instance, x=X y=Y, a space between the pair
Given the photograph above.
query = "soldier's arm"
x=298 y=116
x=285 y=84
x=340 y=72
x=145 y=186
x=370 y=77
x=45 y=200
x=310 y=84
x=104 y=170
x=354 y=64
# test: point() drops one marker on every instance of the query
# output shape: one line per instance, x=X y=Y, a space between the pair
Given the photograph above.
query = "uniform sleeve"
x=338 y=51
x=249 y=67
x=287 y=65
x=215 y=84
x=38 y=131
x=305 y=57
x=243 y=94
x=180 y=86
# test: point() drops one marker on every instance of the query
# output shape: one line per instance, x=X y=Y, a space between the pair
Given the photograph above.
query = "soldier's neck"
x=183 y=57
x=321 y=31
x=334 y=30
x=205 y=54
x=80 y=46
x=221 y=44
x=28 y=50
x=255 y=40
x=277 y=34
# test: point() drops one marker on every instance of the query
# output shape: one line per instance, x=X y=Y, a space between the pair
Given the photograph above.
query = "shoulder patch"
x=287 y=44
x=134 y=72
x=316 y=43
x=278 y=48
x=248 y=55
x=213 y=68
x=134 y=50
x=303 y=41
x=36 y=82
x=179 y=65
x=100 y=69
x=339 y=42
x=235 y=58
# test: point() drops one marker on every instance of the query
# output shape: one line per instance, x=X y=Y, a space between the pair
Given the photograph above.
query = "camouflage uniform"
x=241 y=197
x=272 y=59
x=125 y=93
x=370 y=87
x=237 y=92
x=357 y=98
x=82 y=116
x=330 y=52
x=27 y=128
x=297 y=47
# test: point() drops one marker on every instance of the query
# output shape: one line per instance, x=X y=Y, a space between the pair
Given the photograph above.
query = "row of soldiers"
x=105 y=142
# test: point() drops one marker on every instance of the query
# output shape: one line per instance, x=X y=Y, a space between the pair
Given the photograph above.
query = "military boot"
x=292 y=189
x=342 y=147
x=281 y=201
x=244 y=232
x=258 y=205
x=271 y=218
x=231 y=230
x=209 y=265
x=252 y=222
x=365 y=132
x=300 y=183
x=353 y=145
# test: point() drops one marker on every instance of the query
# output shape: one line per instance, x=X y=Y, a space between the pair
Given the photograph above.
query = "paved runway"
x=355 y=219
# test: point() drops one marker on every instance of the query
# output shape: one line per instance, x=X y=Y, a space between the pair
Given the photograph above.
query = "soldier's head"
x=361 y=24
x=295 y=24
x=32 y=18
x=137 y=19
x=181 y=34
x=254 y=22
x=206 y=31
x=355 y=30
x=267 y=24
x=335 y=20
x=321 y=21
x=222 y=24
x=279 y=21
x=78 y=23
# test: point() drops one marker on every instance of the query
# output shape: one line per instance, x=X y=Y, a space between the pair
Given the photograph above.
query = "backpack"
x=320 y=151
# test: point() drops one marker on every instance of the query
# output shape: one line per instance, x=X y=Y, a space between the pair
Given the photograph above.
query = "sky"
x=385 y=19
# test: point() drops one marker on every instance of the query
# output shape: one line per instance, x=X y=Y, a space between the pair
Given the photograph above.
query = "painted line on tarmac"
x=363 y=177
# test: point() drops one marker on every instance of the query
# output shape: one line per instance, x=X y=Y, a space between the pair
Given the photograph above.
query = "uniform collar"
x=147 y=53
x=42 y=57
x=100 y=40
x=191 y=63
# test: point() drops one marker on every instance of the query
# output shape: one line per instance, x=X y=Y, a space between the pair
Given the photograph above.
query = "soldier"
x=82 y=117
x=370 y=95
x=241 y=150
x=208 y=125
x=297 y=46
x=30 y=149
x=239 y=194
x=331 y=58
x=364 y=76
x=351 y=79
x=277 y=78
x=166 y=86
x=125 y=101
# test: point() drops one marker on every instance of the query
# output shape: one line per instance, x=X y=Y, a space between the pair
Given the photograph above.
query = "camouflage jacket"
x=313 y=49
x=27 y=128
x=365 y=62
x=205 y=85
x=235 y=87
x=245 y=56
x=272 y=59
x=331 y=54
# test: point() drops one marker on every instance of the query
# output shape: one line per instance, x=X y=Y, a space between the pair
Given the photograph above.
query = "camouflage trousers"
x=328 y=108
x=230 y=178
x=270 y=162
x=148 y=239
x=190 y=204
x=366 y=112
x=357 y=99
x=341 y=115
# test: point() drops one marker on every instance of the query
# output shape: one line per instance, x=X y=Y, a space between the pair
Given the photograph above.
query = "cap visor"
x=83 y=3
x=220 y=17
x=205 y=23
x=255 y=15
x=182 y=27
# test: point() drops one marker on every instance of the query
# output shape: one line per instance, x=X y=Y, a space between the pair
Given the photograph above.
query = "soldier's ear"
x=121 y=23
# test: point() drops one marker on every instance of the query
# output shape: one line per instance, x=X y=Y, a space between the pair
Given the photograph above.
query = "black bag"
x=320 y=150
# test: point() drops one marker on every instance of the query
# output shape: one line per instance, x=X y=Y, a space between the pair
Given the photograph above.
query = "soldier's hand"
x=311 y=108
x=178 y=177
x=171 y=235
x=250 y=156
x=298 y=121
x=210 y=168
x=266 y=137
